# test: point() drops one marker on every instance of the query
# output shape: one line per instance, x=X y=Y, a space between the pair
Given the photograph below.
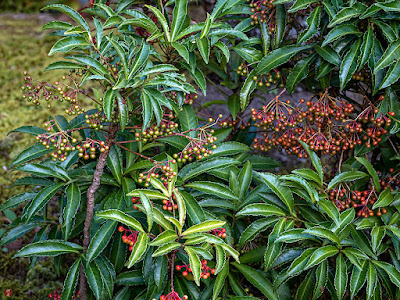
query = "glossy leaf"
x=117 y=215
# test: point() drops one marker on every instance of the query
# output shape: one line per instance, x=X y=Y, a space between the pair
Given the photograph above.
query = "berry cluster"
x=263 y=12
x=324 y=123
x=160 y=168
x=131 y=238
x=135 y=200
x=166 y=127
x=188 y=97
x=220 y=232
x=363 y=200
x=173 y=296
x=57 y=295
x=206 y=270
x=169 y=204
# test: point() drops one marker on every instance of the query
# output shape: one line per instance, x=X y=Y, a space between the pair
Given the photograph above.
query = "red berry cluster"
x=206 y=270
x=220 y=232
x=131 y=238
x=168 y=204
x=324 y=123
x=363 y=200
x=57 y=295
x=135 y=200
x=173 y=296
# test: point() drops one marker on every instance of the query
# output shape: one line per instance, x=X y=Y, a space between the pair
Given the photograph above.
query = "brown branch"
x=90 y=203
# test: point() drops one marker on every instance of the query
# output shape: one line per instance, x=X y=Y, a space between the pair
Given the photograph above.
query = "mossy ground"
x=23 y=46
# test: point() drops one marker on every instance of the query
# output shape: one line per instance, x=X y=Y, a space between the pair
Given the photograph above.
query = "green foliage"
x=153 y=200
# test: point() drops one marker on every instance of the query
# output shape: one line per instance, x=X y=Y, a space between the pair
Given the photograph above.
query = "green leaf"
x=254 y=229
x=283 y=193
x=204 y=227
x=43 y=171
x=220 y=258
x=358 y=278
x=148 y=209
x=17 y=199
x=220 y=281
x=48 y=248
x=162 y=20
x=392 y=75
x=234 y=105
x=328 y=54
x=349 y=64
x=164 y=238
x=69 y=43
x=91 y=62
x=371 y=171
x=108 y=103
x=260 y=209
x=130 y=278
x=199 y=167
x=195 y=263
x=72 y=13
x=330 y=209
x=229 y=148
x=385 y=199
x=320 y=254
x=204 y=48
x=63 y=65
x=248 y=53
x=366 y=47
x=292 y=235
x=100 y=240
x=346 y=177
x=179 y=16
x=298 y=73
x=340 y=276
x=276 y=58
x=73 y=194
x=316 y=161
x=139 y=249
x=188 y=120
x=70 y=281
x=182 y=50
x=280 y=25
x=94 y=279
x=17 y=232
x=339 y=32
x=117 y=215
x=193 y=208
x=213 y=188
x=167 y=248
x=258 y=280
x=181 y=207
x=321 y=275
x=140 y=59
x=362 y=241
x=300 y=4
x=247 y=88
x=323 y=233
x=41 y=200
x=391 y=55
x=347 y=13
x=393 y=273
x=372 y=279
x=121 y=53
x=306 y=287
x=313 y=22
x=57 y=25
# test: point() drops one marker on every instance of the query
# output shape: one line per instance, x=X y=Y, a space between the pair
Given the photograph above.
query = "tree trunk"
x=90 y=204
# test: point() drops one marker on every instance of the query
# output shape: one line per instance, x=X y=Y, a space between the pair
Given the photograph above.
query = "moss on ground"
x=23 y=47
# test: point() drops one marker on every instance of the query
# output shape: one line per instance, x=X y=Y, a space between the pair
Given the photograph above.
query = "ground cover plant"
x=141 y=192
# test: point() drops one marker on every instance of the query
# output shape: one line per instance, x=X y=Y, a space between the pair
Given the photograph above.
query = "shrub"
x=134 y=162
